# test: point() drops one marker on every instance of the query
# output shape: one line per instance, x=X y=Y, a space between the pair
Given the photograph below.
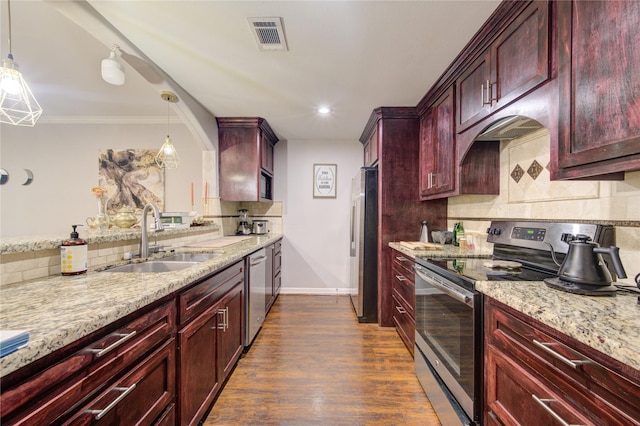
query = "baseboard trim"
x=315 y=291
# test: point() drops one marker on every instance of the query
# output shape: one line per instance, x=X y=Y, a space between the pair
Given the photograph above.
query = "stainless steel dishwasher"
x=255 y=294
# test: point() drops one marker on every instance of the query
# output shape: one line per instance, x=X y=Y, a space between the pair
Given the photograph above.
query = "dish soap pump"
x=74 y=254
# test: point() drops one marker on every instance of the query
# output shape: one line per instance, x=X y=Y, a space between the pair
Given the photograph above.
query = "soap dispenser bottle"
x=74 y=254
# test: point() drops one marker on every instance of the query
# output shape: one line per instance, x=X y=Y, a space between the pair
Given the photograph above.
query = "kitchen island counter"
x=59 y=310
x=608 y=324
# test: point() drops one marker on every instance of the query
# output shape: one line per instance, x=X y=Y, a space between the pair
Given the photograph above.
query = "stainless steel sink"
x=190 y=257
x=154 y=266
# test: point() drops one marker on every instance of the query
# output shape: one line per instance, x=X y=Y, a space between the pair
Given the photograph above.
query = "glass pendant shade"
x=18 y=106
x=167 y=157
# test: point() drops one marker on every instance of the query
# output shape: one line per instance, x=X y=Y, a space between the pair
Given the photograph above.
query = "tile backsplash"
x=526 y=192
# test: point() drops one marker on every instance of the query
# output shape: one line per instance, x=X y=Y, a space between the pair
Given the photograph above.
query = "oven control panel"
x=522 y=233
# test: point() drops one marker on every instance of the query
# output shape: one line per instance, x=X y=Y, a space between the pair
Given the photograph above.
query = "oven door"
x=448 y=334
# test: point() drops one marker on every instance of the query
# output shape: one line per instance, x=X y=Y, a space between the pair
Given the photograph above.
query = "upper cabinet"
x=245 y=154
x=437 y=147
x=514 y=63
x=371 y=149
x=599 y=107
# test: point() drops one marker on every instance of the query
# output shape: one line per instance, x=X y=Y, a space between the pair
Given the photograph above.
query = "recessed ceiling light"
x=323 y=110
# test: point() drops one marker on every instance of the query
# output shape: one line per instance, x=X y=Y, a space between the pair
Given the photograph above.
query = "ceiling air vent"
x=268 y=33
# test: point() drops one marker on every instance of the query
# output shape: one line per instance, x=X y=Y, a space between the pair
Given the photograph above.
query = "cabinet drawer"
x=201 y=296
x=405 y=324
x=140 y=397
x=404 y=264
x=516 y=397
x=587 y=382
x=54 y=391
x=404 y=288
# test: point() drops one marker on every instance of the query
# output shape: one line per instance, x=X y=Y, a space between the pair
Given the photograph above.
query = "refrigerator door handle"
x=352 y=253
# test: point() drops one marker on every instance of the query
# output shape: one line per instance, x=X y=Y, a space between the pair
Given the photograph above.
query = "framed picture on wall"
x=325 y=180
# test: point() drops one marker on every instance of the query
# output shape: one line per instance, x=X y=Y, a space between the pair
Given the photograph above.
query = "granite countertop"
x=59 y=310
x=448 y=251
x=610 y=325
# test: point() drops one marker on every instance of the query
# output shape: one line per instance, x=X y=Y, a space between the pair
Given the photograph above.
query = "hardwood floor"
x=313 y=364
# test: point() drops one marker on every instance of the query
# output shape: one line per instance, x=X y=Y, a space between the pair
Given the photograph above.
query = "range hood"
x=509 y=128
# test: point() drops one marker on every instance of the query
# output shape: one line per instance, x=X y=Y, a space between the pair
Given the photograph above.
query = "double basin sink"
x=171 y=263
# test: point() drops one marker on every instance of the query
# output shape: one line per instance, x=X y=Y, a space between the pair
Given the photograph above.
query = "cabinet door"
x=516 y=62
x=371 y=149
x=230 y=330
x=198 y=378
x=516 y=398
x=599 y=123
x=266 y=154
x=437 y=148
x=140 y=397
x=472 y=92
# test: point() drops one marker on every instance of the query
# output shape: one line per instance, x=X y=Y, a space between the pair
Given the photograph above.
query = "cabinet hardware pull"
x=489 y=96
x=125 y=337
x=401 y=309
x=574 y=363
x=544 y=404
x=401 y=258
x=101 y=413
x=400 y=278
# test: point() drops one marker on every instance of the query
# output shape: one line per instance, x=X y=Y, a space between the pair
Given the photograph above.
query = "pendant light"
x=18 y=106
x=167 y=157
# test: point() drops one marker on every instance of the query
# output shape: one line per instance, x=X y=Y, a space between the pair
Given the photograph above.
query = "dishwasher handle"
x=257 y=260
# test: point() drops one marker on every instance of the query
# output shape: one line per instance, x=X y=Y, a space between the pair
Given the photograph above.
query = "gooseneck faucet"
x=144 y=239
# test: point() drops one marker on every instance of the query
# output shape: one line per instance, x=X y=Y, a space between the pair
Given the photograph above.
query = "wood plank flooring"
x=314 y=364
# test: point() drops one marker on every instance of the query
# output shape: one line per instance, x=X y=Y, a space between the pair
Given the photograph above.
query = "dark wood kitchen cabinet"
x=516 y=62
x=404 y=298
x=400 y=211
x=274 y=273
x=599 y=108
x=210 y=339
x=245 y=155
x=123 y=372
x=438 y=147
x=371 y=149
x=535 y=375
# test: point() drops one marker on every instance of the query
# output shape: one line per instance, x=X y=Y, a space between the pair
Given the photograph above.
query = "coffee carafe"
x=243 y=222
x=583 y=263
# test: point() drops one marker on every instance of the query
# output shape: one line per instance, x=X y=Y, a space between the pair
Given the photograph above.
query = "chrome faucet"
x=144 y=239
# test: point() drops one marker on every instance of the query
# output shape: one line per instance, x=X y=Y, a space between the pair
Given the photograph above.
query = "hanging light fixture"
x=167 y=157
x=18 y=106
x=112 y=71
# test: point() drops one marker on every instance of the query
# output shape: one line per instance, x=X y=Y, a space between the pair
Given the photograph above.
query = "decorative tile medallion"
x=517 y=173
x=535 y=169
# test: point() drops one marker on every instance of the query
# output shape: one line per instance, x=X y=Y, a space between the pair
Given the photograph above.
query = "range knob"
x=494 y=231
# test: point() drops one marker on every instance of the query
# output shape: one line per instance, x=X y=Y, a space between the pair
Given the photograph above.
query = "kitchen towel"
x=12 y=340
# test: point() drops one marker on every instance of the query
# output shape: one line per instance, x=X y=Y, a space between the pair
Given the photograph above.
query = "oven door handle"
x=460 y=296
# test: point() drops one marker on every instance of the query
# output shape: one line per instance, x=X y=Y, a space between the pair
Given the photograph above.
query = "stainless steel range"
x=449 y=334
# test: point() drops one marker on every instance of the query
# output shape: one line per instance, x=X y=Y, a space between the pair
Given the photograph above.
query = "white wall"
x=64 y=161
x=315 y=252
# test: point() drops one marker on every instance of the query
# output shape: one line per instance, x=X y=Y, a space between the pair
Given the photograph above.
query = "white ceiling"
x=352 y=55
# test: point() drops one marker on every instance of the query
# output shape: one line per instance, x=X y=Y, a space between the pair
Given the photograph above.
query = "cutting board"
x=219 y=242
x=417 y=245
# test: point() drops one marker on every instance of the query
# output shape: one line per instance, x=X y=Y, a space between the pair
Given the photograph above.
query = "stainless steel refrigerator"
x=364 y=244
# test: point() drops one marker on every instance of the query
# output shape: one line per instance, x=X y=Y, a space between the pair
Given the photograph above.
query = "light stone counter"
x=62 y=309
x=448 y=251
x=610 y=325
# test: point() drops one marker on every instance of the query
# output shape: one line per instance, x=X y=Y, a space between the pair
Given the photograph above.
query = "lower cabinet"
x=124 y=375
x=274 y=278
x=535 y=375
x=404 y=298
x=140 y=397
x=210 y=341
